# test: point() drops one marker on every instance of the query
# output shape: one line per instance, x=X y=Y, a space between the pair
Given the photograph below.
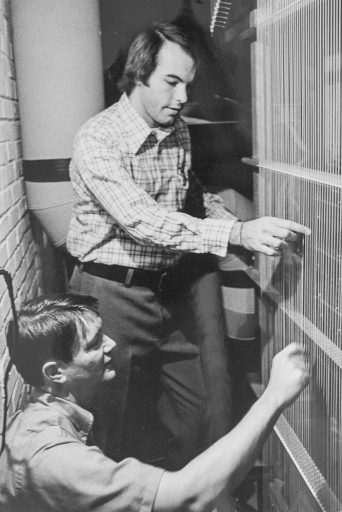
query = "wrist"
x=269 y=401
x=236 y=234
x=242 y=225
x=272 y=398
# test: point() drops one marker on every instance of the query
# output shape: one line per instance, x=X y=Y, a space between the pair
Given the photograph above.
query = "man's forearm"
x=220 y=467
x=223 y=466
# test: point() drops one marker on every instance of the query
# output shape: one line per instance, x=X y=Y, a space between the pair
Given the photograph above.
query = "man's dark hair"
x=143 y=53
x=49 y=327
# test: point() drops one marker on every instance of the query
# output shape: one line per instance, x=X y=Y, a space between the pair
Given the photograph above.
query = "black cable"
x=12 y=335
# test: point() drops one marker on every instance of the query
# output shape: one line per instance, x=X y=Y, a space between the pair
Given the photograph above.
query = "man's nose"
x=108 y=343
x=181 y=93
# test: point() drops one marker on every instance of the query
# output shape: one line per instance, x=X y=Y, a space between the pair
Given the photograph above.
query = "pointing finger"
x=293 y=226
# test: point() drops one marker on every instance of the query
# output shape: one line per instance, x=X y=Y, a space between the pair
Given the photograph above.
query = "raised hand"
x=290 y=374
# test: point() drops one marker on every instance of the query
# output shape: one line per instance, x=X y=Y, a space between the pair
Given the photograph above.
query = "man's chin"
x=169 y=117
x=109 y=374
x=169 y=122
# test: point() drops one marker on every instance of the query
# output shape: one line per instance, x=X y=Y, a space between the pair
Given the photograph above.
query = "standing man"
x=139 y=214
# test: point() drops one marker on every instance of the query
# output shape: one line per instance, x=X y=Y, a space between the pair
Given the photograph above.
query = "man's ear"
x=53 y=372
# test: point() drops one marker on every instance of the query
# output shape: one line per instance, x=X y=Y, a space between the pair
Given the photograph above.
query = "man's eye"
x=95 y=343
x=172 y=83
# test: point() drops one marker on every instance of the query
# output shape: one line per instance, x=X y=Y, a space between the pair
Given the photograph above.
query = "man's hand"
x=290 y=374
x=268 y=235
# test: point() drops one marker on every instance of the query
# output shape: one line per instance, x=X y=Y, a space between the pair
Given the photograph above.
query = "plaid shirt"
x=137 y=203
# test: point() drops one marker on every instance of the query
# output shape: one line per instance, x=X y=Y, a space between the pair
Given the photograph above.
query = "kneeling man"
x=46 y=464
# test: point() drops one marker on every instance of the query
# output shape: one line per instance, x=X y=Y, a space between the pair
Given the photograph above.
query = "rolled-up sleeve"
x=79 y=478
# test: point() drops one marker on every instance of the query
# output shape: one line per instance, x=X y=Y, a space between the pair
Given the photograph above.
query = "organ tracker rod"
x=326 y=178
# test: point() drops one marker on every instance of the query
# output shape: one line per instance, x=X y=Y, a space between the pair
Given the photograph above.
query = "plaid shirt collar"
x=135 y=127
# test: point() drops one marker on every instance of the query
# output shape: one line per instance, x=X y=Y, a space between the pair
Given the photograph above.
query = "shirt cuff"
x=216 y=234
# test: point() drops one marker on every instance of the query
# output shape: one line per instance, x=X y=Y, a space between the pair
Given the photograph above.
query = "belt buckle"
x=129 y=277
x=161 y=279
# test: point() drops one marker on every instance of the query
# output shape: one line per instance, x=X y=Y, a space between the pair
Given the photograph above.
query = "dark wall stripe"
x=47 y=170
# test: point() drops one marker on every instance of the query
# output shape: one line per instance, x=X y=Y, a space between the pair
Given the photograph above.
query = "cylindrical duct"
x=57 y=48
x=237 y=288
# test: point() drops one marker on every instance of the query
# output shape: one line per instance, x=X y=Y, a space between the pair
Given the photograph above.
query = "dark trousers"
x=181 y=340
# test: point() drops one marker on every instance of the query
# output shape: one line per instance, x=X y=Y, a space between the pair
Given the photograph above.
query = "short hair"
x=50 y=327
x=143 y=53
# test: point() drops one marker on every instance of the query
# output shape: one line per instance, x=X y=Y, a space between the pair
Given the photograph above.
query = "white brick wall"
x=18 y=250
